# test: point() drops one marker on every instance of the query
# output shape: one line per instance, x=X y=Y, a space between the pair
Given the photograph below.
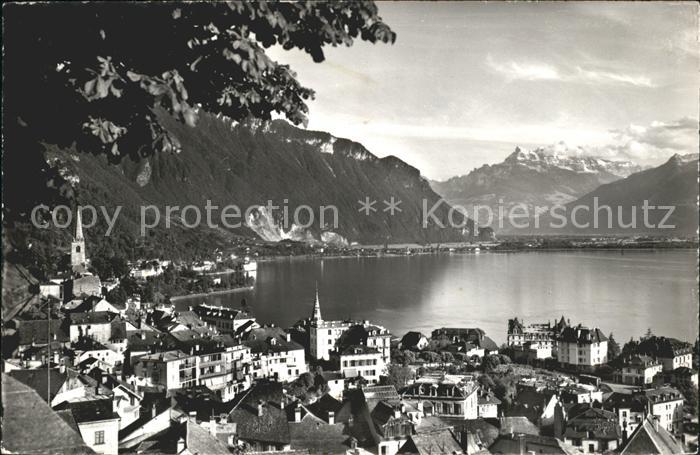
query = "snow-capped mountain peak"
x=576 y=159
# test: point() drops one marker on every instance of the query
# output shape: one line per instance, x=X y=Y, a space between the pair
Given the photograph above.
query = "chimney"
x=521 y=441
x=420 y=407
x=297 y=413
x=260 y=408
x=154 y=411
x=62 y=368
x=289 y=337
x=331 y=417
x=397 y=412
x=143 y=335
x=282 y=402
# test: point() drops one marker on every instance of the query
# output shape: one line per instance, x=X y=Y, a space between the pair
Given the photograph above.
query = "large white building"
x=275 y=355
x=639 y=370
x=223 y=369
x=324 y=335
x=444 y=398
x=581 y=348
x=327 y=337
x=666 y=403
x=358 y=360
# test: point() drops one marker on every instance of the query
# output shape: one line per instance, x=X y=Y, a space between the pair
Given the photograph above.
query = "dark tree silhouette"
x=98 y=75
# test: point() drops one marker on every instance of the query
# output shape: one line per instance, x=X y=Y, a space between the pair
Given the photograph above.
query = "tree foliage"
x=613 y=348
x=98 y=74
x=399 y=376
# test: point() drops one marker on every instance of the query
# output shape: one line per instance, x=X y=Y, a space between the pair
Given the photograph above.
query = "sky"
x=467 y=82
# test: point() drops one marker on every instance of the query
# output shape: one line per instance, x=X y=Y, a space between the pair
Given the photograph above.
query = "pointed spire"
x=78 y=225
x=317 y=307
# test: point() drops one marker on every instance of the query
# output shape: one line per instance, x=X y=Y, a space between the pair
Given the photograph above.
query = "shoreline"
x=206 y=294
x=483 y=251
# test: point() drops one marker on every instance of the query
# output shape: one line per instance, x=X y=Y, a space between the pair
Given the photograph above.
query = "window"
x=99 y=437
x=330 y=341
x=591 y=448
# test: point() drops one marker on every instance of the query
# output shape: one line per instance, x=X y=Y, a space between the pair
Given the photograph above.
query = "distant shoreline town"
x=115 y=370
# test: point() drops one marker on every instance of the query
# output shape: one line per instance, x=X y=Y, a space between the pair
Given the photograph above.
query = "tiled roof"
x=641 y=361
x=634 y=402
x=272 y=425
x=30 y=426
x=98 y=317
x=441 y=390
x=518 y=424
x=663 y=394
x=37 y=331
x=200 y=441
x=600 y=423
x=358 y=349
x=205 y=310
x=582 y=335
x=92 y=410
x=664 y=347
x=651 y=438
x=318 y=437
x=439 y=441
x=38 y=380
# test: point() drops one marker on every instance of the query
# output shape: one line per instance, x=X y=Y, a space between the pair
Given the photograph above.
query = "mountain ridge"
x=536 y=178
x=249 y=163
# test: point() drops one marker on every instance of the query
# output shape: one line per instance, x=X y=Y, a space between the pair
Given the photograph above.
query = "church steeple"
x=317 y=308
x=78 y=259
x=78 y=226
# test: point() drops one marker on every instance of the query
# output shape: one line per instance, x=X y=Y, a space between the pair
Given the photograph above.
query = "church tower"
x=77 y=248
x=317 y=308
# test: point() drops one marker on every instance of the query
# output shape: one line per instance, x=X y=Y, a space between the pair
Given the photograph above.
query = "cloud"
x=658 y=140
x=531 y=71
x=606 y=76
x=524 y=71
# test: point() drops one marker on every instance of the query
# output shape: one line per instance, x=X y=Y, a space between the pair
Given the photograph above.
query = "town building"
x=370 y=335
x=488 y=404
x=222 y=368
x=459 y=335
x=631 y=409
x=328 y=338
x=359 y=360
x=582 y=348
x=593 y=430
x=52 y=288
x=532 y=351
x=446 y=399
x=666 y=403
x=261 y=418
x=324 y=335
x=96 y=325
x=30 y=426
x=335 y=382
x=638 y=370
x=226 y=320
x=543 y=334
x=651 y=438
x=672 y=353
x=274 y=354
x=98 y=424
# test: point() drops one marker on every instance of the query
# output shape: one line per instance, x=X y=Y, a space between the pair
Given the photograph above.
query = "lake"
x=620 y=293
